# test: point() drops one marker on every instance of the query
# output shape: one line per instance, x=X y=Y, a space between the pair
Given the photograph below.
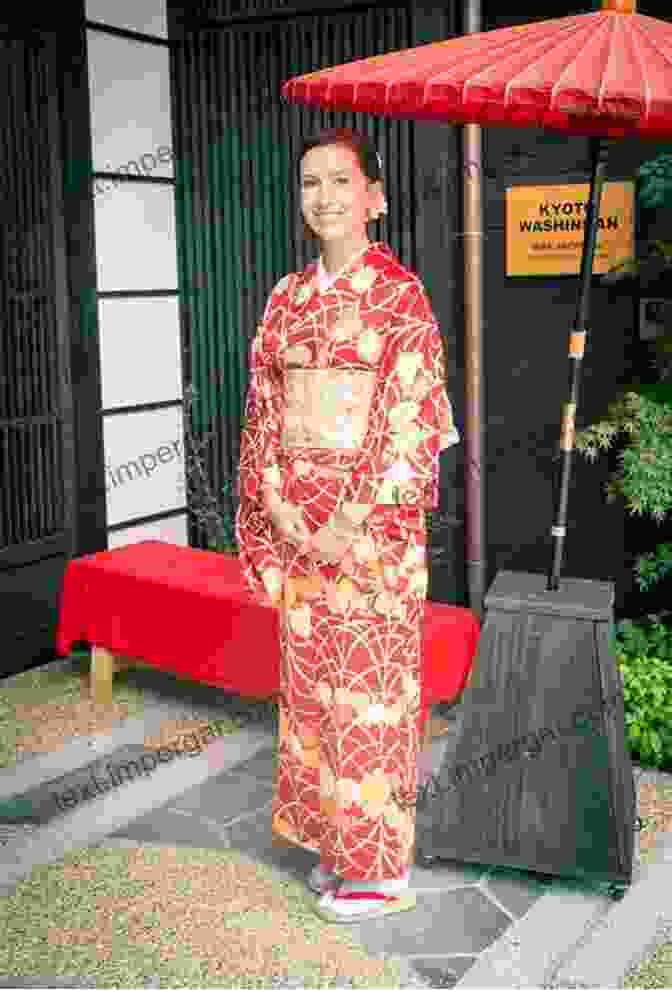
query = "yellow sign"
x=545 y=228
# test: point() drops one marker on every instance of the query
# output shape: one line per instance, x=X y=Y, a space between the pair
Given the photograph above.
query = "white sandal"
x=342 y=909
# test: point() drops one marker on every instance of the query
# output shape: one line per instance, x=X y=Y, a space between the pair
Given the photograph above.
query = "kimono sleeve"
x=258 y=548
x=413 y=419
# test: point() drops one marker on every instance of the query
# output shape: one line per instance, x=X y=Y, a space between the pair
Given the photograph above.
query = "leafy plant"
x=634 y=639
x=644 y=417
x=656 y=185
x=437 y=523
x=213 y=517
x=644 y=481
x=654 y=190
x=653 y=263
x=653 y=567
x=644 y=657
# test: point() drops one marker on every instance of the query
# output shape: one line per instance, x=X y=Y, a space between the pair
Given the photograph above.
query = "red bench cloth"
x=188 y=611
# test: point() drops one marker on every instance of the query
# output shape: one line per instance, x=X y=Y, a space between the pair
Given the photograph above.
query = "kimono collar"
x=324 y=279
x=317 y=278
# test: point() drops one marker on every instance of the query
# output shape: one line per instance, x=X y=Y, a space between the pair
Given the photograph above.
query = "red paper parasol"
x=605 y=75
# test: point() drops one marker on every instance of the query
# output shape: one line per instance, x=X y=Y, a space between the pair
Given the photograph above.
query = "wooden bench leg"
x=102 y=672
x=471 y=676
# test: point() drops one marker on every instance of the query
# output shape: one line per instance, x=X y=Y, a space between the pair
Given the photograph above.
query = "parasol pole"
x=473 y=351
x=577 y=340
x=577 y=344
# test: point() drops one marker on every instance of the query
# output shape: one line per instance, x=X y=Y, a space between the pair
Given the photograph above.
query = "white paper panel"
x=144 y=464
x=135 y=238
x=140 y=351
x=145 y=16
x=173 y=530
x=130 y=108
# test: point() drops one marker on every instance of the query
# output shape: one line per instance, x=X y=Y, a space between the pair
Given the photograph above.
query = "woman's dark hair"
x=363 y=147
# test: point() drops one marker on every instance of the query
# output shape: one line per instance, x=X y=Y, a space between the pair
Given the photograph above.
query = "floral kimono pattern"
x=346 y=410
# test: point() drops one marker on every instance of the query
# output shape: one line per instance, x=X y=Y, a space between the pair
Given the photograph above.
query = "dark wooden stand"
x=537 y=776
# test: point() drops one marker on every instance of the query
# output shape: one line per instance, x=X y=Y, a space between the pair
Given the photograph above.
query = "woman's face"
x=335 y=193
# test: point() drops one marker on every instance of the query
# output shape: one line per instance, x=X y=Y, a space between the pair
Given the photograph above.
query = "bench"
x=188 y=611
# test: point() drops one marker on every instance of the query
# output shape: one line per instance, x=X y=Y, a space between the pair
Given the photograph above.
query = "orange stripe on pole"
x=577 y=344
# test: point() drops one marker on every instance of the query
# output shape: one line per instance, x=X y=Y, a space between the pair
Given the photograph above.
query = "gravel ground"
x=192 y=917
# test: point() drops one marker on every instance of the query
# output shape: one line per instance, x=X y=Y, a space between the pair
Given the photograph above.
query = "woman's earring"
x=374 y=213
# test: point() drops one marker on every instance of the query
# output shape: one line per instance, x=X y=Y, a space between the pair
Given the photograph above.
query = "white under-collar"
x=325 y=280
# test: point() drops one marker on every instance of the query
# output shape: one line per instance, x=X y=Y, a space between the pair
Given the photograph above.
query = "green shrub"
x=644 y=655
x=654 y=567
x=643 y=417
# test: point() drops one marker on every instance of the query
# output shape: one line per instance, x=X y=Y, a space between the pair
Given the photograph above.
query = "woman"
x=345 y=417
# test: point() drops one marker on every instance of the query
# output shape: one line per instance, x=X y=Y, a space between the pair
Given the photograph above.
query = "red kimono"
x=347 y=409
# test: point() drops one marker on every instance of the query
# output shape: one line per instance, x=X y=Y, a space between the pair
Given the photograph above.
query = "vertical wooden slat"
x=19 y=458
x=205 y=266
x=219 y=288
x=211 y=293
x=283 y=177
x=292 y=120
x=59 y=445
x=40 y=373
x=4 y=492
x=259 y=150
x=233 y=203
x=244 y=126
x=36 y=369
x=202 y=266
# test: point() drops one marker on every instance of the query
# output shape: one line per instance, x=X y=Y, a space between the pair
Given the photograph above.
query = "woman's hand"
x=332 y=542
x=287 y=518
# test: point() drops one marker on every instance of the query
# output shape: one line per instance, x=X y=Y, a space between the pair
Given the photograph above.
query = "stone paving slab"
x=166 y=829
x=82 y=825
x=261 y=765
x=633 y=926
x=548 y=933
x=80 y=752
x=225 y=797
x=100 y=775
x=513 y=892
x=441 y=971
x=183 y=826
x=462 y=920
x=166 y=698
